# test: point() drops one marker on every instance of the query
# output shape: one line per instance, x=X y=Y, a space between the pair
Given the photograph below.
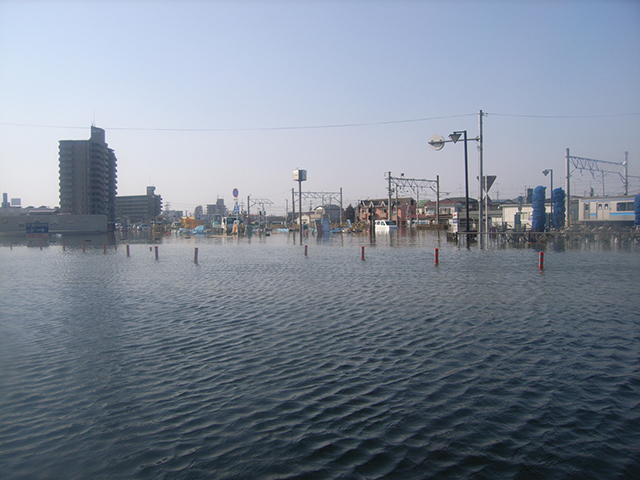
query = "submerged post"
x=128 y=253
x=362 y=253
x=305 y=250
x=436 y=257
x=541 y=261
x=156 y=252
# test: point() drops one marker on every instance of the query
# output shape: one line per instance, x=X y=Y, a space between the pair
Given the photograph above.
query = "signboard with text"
x=37 y=227
x=37 y=233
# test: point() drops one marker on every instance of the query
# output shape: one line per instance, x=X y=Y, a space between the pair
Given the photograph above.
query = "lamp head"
x=546 y=172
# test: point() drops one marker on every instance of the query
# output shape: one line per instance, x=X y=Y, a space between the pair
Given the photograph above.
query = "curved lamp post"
x=437 y=143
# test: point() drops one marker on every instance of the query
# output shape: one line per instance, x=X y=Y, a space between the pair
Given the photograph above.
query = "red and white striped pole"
x=436 y=257
x=541 y=261
x=362 y=254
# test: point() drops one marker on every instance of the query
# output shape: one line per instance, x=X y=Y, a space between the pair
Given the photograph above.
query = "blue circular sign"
x=235 y=192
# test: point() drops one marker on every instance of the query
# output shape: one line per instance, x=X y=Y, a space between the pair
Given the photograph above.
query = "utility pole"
x=293 y=205
x=626 y=173
x=389 y=207
x=438 y=201
x=300 y=176
x=481 y=225
x=568 y=197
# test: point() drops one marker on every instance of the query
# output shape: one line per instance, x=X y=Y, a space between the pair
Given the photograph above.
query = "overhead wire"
x=309 y=127
x=248 y=129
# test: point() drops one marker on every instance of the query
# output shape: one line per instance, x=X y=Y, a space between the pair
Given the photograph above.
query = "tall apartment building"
x=88 y=180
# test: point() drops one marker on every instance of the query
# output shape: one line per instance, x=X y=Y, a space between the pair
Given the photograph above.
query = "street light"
x=437 y=143
x=547 y=172
x=455 y=136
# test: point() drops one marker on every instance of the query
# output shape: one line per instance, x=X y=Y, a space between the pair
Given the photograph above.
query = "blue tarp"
x=558 y=196
x=538 y=221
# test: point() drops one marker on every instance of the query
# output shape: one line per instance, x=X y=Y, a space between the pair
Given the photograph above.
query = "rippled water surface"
x=261 y=363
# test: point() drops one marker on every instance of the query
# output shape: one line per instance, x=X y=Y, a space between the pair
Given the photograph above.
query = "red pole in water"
x=128 y=254
x=541 y=261
x=115 y=247
x=436 y=256
x=362 y=254
x=83 y=247
x=156 y=253
x=305 y=250
x=104 y=248
x=195 y=255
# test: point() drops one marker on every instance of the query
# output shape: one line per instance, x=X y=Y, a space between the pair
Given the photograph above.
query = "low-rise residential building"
x=403 y=210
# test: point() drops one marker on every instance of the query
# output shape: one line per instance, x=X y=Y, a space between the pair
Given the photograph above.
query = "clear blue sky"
x=200 y=97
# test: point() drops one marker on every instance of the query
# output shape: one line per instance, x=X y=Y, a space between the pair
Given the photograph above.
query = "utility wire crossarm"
x=600 y=166
x=260 y=201
x=325 y=198
x=414 y=185
x=257 y=201
x=322 y=196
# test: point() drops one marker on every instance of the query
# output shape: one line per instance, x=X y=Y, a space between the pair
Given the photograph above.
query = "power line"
x=310 y=127
x=247 y=129
x=562 y=116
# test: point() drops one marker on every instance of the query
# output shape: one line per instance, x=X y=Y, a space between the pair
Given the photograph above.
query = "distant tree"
x=350 y=213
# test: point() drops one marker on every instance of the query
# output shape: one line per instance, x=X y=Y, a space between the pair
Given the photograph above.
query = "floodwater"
x=259 y=362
